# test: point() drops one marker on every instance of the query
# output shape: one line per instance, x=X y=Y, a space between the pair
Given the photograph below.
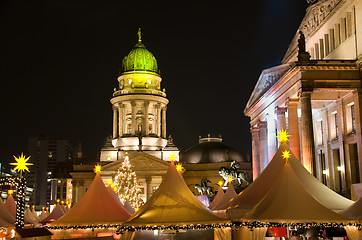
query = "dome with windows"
x=211 y=150
x=139 y=59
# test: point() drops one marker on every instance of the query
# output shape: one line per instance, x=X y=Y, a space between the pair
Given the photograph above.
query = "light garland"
x=20 y=185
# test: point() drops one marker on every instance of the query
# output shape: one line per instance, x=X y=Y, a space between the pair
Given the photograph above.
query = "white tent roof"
x=128 y=207
x=29 y=217
x=43 y=215
x=114 y=195
x=97 y=206
x=228 y=196
x=289 y=201
x=57 y=213
x=354 y=211
x=217 y=198
x=248 y=198
x=173 y=203
x=11 y=205
x=6 y=219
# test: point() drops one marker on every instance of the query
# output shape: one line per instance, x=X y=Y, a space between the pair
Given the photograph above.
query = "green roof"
x=139 y=59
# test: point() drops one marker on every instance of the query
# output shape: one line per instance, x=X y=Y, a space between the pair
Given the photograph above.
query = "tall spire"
x=139 y=35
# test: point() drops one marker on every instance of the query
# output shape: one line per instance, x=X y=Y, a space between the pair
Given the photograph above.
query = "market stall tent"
x=253 y=194
x=97 y=206
x=217 y=199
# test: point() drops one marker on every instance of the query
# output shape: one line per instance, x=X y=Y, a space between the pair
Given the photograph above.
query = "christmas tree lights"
x=127 y=185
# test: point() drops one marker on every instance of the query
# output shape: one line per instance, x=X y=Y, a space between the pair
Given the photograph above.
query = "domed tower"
x=139 y=105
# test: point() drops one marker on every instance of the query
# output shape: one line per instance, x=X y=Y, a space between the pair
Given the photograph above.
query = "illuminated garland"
x=91 y=226
x=20 y=185
x=121 y=229
x=257 y=224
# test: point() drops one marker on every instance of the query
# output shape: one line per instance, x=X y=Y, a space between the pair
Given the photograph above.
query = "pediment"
x=140 y=161
x=267 y=79
x=316 y=15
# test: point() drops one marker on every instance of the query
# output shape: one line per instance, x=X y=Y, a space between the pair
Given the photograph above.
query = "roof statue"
x=204 y=188
x=303 y=55
x=139 y=35
x=233 y=174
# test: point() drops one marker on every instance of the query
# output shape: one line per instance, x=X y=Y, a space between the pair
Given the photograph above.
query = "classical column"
x=255 y=151
x=281 y=121
x=158 y=120
x=147 y=130
x=293 y=127
x=307 y=131
x=164 y=121
x=263 y=142
x=148 y=187
x=115 y=123
x=120 y=119
x=272 y=140
x=357 y=98
x=133 y=104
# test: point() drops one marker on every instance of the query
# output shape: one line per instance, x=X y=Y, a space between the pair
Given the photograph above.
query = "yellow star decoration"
x=179 y=167
x=172 y=157
x=21 y=163
x=97 y=168
x=283 y=136
x=286 y=155
x=220 y=183
x=230 y=179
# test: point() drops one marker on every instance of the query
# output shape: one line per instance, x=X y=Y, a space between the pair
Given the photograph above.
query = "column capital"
x=133 y=103
x=262 y=124
x=292 y=102
x=164 y=107
x=120 y=105
x=280 y=110
x=146 y=103
x=254 y=130
x=305 y=94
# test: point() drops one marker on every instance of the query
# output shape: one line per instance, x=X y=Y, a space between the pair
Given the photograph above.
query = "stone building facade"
x=316 y=95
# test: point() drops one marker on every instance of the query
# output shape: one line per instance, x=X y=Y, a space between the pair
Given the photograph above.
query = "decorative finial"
x=283 y=136
x=286 y=155
x=139 y=35
x=179 y=167
x=97 y=168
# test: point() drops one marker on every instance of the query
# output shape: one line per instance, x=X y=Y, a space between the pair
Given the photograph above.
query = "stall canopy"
x=57 y=213
x=252 y=195
x=11 y=205
x=354 y=211
x=228 y=196
x=288 y=200
x=218 y=197
x=6 y=219
x=173 y=204
x=97 y=206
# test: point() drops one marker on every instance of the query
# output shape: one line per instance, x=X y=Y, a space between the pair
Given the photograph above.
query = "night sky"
x=59 y=63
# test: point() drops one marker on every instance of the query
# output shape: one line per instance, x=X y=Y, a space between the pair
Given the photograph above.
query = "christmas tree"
x=127 y=186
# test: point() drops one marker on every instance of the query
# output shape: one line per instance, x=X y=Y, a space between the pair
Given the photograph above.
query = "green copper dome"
x=139 y=59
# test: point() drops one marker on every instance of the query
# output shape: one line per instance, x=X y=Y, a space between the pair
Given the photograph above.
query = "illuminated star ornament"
x=21 y=163
x=179 y=167
x=283 y=136
x=97 y=168
x=172 y=157
x=286 y=155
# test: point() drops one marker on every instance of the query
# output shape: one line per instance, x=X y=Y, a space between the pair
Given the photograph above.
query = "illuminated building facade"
x=316 y=95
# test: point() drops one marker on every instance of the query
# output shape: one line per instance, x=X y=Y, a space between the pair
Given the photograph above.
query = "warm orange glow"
x=230 y=179
x=62 y=202
x=109 y=182
x=58 y=200
x=10 y=192
x=136 y=209
x=115 y=189
x=54 y=205
x=112 y=185
x=220 y=183
x=283 y=136
x=97 y=168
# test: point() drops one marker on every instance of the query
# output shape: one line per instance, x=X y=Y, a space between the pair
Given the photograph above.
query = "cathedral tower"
x=139 y=105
